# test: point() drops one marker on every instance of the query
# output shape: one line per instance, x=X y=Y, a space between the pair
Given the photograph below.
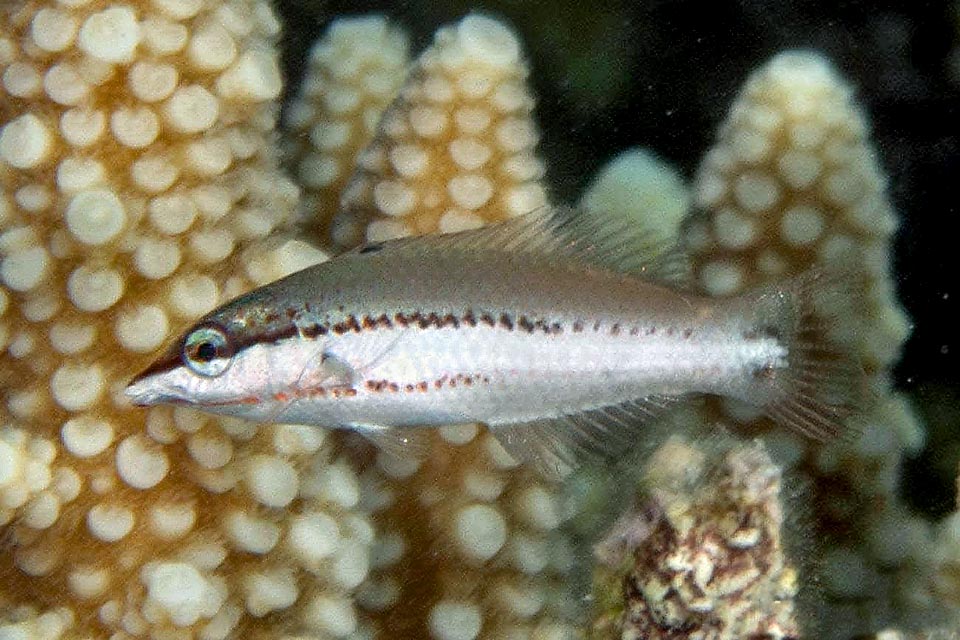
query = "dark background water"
x=662 y=74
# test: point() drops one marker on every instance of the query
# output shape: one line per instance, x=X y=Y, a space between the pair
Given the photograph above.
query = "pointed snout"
x=150 y=387
x=141 y=393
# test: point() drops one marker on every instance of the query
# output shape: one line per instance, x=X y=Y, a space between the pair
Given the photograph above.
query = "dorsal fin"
x=568 y=234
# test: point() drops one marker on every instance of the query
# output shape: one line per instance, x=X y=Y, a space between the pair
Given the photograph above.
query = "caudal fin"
x=823 y=385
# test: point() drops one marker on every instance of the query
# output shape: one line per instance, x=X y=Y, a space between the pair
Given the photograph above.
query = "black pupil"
x=206 y=351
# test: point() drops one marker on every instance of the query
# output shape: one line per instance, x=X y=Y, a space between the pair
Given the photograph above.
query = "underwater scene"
x=746 y=203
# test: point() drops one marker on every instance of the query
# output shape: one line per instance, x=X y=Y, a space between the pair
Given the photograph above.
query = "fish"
x=565 y=332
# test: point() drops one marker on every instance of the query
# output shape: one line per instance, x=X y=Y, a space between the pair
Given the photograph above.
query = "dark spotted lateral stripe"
x=432 y=320
x=357 y=324
x=388 y=386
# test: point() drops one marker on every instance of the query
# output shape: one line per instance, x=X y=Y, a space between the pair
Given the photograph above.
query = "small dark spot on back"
x=372 y=247
x=524 y=323
x=313 y=330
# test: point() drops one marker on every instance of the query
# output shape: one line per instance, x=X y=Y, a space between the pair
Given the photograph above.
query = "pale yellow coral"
x=192 y=525
x=473 y=539
x=466 y=534
x=793 y=183
x=354 y=72
x=136 y=161
x=456 y=149
x=643 y=189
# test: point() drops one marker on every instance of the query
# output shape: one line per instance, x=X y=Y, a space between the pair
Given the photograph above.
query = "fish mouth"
x=147 y=388
x=143 y=392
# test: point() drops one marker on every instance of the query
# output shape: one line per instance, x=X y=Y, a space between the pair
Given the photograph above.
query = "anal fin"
x=556 y=445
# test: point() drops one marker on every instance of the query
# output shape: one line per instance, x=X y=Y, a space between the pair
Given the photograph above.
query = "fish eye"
x=207 y=351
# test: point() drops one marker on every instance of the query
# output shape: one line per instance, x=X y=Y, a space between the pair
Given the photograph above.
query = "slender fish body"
x=539 y=328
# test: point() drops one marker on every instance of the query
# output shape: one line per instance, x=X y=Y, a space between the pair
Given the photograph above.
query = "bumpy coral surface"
x=466 y=534
x=168 y=522
x=473 y=539
x=457 y=147
x=642 y=188
x=135 y=160
x=703 y=554
x=793 y=183
x=354 y=71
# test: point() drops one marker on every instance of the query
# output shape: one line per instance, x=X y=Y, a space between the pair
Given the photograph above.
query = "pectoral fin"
x=325 y=369
x=329 y=369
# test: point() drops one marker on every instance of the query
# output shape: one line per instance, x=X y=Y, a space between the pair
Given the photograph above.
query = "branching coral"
x=794 y=183
x=638 y=186
x=457 y=147
x=354 y=71
x=202 y=526
x=703 y=555
x=136 y=158
x=467 y=535
x=473 y=539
